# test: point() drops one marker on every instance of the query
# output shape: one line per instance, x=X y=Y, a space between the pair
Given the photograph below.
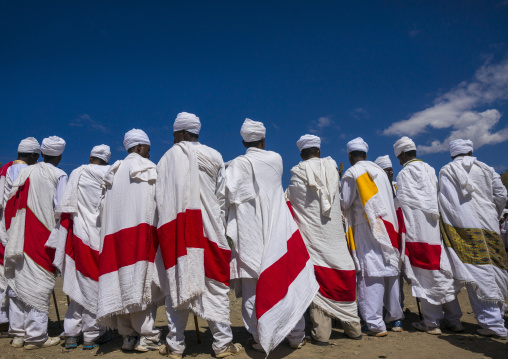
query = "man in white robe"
x=386 y=164
x=367 y=201
x=192 y=239
x=270 y=267
x=29 y=219
x=28 y=154
x=314 y=197
x=426 y=263
x=129 y=289
x=76 y=239
x=471 y=199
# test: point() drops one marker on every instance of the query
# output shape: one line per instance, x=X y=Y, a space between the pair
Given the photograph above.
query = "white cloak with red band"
x=313 y=196
x=29 y=219
x=76 y=238
x=191 y=231
x=3 y=232
x=128 y=273
x=268 y=245
x=426 y=263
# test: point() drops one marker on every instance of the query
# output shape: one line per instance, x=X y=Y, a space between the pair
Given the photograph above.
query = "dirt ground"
x=408 y=344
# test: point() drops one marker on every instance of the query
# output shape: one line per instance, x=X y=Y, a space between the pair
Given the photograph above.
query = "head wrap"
x=308 y=141
x=404 y=144
x=358 y=144
x=252 y=131
x=188 y=122
x=103 y=152
x=52 y=146
x=383 y=162
x=29 y=145
x=135 y=137
x=459 y=147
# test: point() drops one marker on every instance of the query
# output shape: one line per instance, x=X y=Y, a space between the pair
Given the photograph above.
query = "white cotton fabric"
x=135 y=137
x=314 y=196
x=383 y=162
x=188 y=122
x=260 y=224
x=417 y=197
x=459 y=147
x=189 y=175
x=81 y=200
x=252 y=131
x=358 y=144
x=404 y=144
x=102 y=151
x=53 y=146
x=471 y=195
x=129 y=183
x=308 y=141
x=29 y=145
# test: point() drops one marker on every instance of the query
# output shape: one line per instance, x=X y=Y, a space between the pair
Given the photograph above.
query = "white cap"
x=459 y=147
x=188 y=122
x=135 y=137
x=52 y=146
x=404 y=144
x=383 y=162
x=358 y=144
x=252 y=131
x=102 y=151
x=308 y=141
x=29 y=145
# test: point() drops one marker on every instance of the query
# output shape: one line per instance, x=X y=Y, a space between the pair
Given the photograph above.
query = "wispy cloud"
x=359 y=114
x=414 y=31
x=321 y=123
x=87 y=122
x=456 y=110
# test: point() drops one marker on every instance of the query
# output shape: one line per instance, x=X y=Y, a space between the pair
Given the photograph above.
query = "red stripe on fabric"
x=128 y=246
x=393 y=234
x=36 y=236
x=424 y=255
x=17 y=202
x=186 y=231
x=86 y=260
x=3 y=170
x=337 y=285
x=273 y=283
x=290 y=208
x=2 y=254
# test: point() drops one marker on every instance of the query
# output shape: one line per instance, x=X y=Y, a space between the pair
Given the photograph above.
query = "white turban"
x=135 y=137
x=188 y=122
x=383 y=162
x=458 y=147
x=252 y=131
x=53 y=146
x=358 y=144
x=103 y=152
x=308 y=141
x=29 y=145
x=404 y=144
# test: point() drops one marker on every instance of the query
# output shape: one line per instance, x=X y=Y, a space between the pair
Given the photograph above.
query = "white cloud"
x=455 y=110
x=320 y=124
x=87 y=122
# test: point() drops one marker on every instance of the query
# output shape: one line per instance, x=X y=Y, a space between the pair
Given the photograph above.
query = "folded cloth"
x=53 y=146
x=188 y=122
x=404 y=144
x=358 y=144
x=458 y=147
x=102 y=151
x=383 y=162
x=135 y=137
x=252 y=131
x=308 y=141
x=29 y=145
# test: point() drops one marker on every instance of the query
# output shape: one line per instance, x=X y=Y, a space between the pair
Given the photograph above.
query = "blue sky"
x=89 y=71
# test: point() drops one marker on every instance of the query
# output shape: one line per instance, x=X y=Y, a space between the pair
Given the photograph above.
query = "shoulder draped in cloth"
x=128 y=255
x=191 y=231
x=313 y=196
x=29 y=219
x=3 y=232
x=76 y=238
x=471 y=199
x=426 y=264
x=267 y=244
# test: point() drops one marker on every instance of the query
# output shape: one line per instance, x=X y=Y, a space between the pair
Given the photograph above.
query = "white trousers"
x=250 y=321
x=433 y=314
x=4 y=310
x=26 y=322
x=79 y=320
x=372 y=293
x=489 y=315
x=139 y=323
x=177 y=321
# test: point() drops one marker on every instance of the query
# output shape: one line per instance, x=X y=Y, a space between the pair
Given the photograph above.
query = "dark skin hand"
x=142 y=150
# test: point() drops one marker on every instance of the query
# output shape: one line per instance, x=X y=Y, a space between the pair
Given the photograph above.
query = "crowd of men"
x=132 y=236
